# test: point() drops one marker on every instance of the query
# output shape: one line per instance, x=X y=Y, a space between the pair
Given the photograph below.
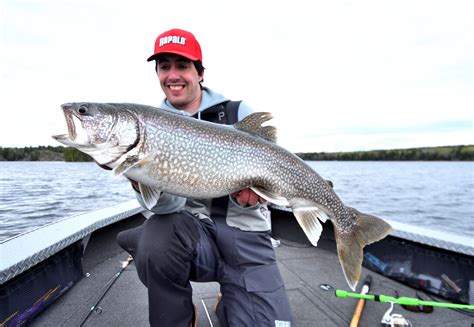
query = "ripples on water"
x=437 y=195
x=33 y=194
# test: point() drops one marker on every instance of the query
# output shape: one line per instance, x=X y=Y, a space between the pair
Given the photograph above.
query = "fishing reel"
x=394 y=319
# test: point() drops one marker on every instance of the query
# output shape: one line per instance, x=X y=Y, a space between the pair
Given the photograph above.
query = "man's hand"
x=247 y=197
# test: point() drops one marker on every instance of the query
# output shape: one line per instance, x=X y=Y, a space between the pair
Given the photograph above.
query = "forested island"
x=43 y=153
x=442 y=153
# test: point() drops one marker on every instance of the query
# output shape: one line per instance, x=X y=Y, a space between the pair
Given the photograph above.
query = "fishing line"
x=207 y=313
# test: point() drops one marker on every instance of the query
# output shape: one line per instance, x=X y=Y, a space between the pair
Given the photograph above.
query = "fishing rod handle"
x=357 y=313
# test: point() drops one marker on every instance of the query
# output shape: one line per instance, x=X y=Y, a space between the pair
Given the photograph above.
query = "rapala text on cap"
x=172 y=39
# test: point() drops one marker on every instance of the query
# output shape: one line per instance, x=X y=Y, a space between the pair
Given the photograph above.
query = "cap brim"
x=183 y=54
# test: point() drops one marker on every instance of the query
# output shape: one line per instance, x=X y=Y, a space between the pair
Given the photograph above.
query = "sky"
x=337 y=75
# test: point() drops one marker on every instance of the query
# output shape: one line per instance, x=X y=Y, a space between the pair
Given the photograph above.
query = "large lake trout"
x=166 y=151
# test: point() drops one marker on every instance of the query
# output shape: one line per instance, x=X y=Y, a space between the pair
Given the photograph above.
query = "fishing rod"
x=402 y=300
x=360 y=304
x=106 y=288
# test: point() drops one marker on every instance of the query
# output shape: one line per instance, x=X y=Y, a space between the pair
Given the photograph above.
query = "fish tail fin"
x=367 y=229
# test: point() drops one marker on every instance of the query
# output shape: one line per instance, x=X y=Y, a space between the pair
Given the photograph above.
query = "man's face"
x=179 y=80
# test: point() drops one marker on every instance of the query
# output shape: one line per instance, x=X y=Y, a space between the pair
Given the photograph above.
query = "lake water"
x=437 y=195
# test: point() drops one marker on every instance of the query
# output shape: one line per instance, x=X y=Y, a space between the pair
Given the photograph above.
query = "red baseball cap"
x=179 y=42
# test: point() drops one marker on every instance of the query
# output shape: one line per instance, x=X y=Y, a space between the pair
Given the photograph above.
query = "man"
x=225 y=240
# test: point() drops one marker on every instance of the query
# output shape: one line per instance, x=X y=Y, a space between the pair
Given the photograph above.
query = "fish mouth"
x=71 y=121
x=71 y=127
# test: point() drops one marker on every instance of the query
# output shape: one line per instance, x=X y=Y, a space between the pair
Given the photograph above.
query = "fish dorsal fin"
x=253 y=124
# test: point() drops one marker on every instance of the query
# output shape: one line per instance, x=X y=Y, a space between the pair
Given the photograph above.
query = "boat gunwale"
x=35 y=246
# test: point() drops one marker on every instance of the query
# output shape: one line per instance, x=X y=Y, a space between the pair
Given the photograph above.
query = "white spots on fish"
x=193 y=158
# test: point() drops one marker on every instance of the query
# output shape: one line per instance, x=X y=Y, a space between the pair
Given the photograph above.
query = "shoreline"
x=440 y=153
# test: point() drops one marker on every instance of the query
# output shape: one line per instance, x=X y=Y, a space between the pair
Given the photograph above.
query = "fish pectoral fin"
x=150 y=195
x=309 y=219
x=128 y=163
x=350 y=244
x=269 y=196
x=125 y=165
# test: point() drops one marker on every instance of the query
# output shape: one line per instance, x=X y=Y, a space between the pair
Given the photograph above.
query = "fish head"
x=104 y=131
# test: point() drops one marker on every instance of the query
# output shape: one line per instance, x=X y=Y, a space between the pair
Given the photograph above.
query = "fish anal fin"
x=308 y=216
x=150 y=195
x=367 y=229
x=253 y=124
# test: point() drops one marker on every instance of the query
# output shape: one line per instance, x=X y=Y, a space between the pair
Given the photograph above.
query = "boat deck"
x=304 y=269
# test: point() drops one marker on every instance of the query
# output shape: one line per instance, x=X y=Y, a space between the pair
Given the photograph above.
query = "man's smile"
x=176 y=87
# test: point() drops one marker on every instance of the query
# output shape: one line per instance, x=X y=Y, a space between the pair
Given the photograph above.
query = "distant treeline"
x=73 y=155
x=42 y=153
x=442 y=153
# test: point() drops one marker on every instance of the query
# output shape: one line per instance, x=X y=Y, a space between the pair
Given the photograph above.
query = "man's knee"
x=160 y=232
x=166 y=247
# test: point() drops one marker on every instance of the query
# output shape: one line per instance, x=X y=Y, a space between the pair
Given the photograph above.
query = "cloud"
x=329 y=71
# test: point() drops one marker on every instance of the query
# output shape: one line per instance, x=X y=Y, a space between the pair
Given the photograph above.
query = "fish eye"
x=82 y=110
